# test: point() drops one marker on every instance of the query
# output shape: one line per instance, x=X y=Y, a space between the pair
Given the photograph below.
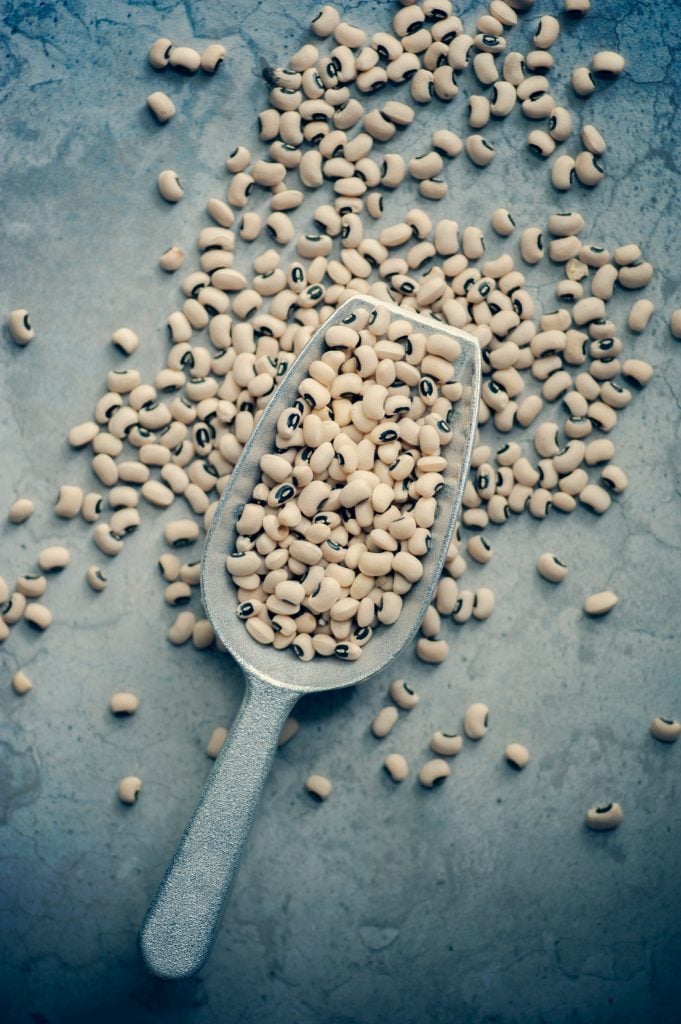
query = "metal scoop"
x=181 y=922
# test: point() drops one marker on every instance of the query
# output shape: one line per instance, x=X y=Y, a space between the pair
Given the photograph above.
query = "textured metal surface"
x=180 y=925
x=181 y=922
x=486 y=899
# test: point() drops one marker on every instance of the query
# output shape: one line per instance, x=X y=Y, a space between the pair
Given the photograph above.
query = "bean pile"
x=555 y=380
x=340 y=519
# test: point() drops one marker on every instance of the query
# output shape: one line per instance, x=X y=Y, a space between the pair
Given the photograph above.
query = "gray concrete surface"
x=484 y=901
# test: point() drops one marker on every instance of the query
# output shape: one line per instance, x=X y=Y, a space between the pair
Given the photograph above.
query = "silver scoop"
x=181 y=922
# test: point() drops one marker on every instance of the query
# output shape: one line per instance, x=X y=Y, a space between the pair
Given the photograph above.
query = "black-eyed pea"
x=675 y=323
x=433 y=773
x=159 y=53
x=562 y=172
x=384 y=721
x=639 y=315
x=169 y=186
x=595 y=498
x=128 y=789
x=182 y=628
x=665 y=729
x=36 y=615
x=582 y=82
x=547 y=32
x=483 y=603
x=635 y=275
x=161 y=106
x=69 y=502
x=475 y=721
x=600 y=603
x=289 y=730
x=396 y=767
x=13 y=608
x=21 y=684
x=503 y=97
x=576 y=9
x=318 y=786
x=403 y=695
x=212 y=57
x=531 y=245
x=589 y=169
x=479 y=151
x=479 y=549
x=604 y=817
x=607 y=64
x=184 y=59
x=216 y=741
x=517 y=755
x=446 y=744
x=503 y=222
x=432 y=651
x=560 y=124
x=124 y=703
x=54 y=559
x=614 y=478
x=31 y=585
x=637 y=372
x=540 y=143
x=20 y=328
x=551 y=568
x=96 y=578
x=20 y=510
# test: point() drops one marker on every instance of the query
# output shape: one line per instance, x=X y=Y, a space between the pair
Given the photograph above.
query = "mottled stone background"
x=486 y=900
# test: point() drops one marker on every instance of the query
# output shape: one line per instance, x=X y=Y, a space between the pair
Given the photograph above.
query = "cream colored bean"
x=446 y=744
x=289 y=730
x=161 y=106
x=517 y=755
x=21 y=684
x=20 y=510
x=483 y=603
x=562 y=172
x=128 y=789
x=601 y=603
x=69 y=502
x=159 y=53
x=589 y=169
x=212 y=57
x=54 y=559
x=384 y=721
x=396 y=767
x=582 y=82
x=433 y=773
x=432 y=651
x=182 y=628
x=20 y=328
x=184 y=59
x=318 y=786
x=607 y=64
x=560 y=124
x=124 y=703
x=96 y=578
x=216 y=741
x=595 y=498
x=31 y=585
x=531 y=245
x=665 y=729
x=403 y=695
x=38 y=616
x=169 y=186
x=475 y=721
x=551 y=568
x=675 y=323
x=479 y=151
x=604 y=817
x=639 y=315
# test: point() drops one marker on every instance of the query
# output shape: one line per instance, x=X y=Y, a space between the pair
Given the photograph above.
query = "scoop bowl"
x=181 y=922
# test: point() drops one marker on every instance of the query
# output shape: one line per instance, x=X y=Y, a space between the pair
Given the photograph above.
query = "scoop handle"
x=180 y=924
